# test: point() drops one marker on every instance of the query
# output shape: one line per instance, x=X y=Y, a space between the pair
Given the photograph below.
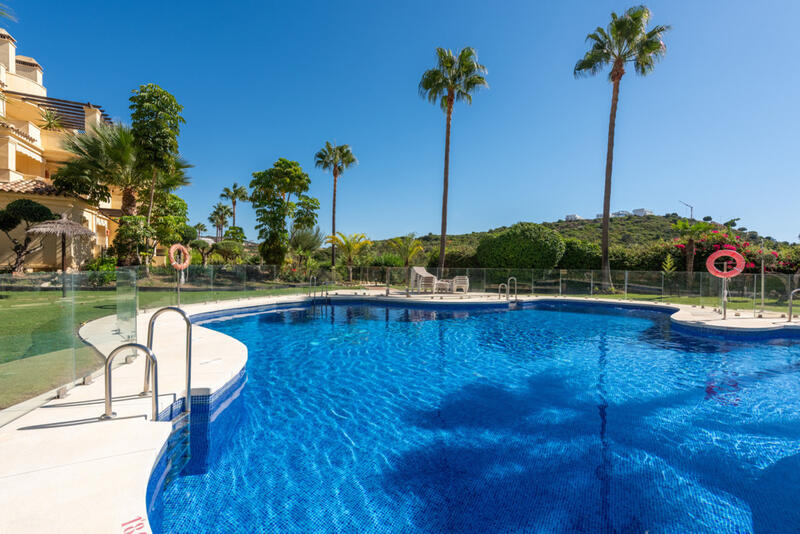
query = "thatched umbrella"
x=65 y=228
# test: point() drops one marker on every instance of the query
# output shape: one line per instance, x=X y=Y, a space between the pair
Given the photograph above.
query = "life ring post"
x=725 y=274
x=181 y=266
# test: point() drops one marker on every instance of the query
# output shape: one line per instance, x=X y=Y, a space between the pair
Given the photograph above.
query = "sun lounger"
x=421 y=280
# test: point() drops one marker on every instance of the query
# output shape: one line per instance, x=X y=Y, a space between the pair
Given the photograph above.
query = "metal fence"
x=42 y=314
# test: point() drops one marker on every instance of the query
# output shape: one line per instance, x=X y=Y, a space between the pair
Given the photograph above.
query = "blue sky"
x=715 y=125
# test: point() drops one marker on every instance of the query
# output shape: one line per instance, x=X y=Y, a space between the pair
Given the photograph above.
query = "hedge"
x=522 y=246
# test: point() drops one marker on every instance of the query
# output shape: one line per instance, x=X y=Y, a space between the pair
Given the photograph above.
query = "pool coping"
x=113 y=495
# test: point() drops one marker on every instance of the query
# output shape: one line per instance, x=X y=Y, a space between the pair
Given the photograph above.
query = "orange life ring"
x=187 y=258
x=737 y=270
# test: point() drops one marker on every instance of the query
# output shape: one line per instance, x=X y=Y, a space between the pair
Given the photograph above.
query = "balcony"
x=30 y=131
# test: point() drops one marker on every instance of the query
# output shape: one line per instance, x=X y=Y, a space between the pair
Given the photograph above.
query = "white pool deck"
x=62 y=470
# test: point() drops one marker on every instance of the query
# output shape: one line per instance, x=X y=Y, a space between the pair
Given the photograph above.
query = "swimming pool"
x=365 y=418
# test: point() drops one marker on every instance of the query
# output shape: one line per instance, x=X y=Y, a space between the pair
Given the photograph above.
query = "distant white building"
x=573 y=217
x=641 y=212
x=621 y=213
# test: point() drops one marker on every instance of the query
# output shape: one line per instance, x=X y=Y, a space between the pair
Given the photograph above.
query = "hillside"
x=630 y=230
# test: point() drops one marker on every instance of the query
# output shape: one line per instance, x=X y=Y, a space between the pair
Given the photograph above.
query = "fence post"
x=559 y=282
x=662 y=285
x=591 y=283
x=626 y=285
x=533 y=280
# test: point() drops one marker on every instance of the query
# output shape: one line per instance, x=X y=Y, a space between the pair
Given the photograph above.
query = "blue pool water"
x=361 y=418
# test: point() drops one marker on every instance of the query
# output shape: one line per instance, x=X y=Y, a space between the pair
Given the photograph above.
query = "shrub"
x=102 y=271
x=522 y=246
x=455 y=259
x=229 y=250
x=580 y=255
x=387 y=259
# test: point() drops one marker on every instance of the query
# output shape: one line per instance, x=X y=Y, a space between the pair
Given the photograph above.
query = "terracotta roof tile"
x=32 y=187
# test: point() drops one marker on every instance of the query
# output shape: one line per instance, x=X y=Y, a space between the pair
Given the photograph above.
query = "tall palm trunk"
x=333 y=222
x=443 y=238
x=616 y=75
x=128 y=201
x=233 y=209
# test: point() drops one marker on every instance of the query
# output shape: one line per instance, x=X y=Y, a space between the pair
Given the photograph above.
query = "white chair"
x=462 y=283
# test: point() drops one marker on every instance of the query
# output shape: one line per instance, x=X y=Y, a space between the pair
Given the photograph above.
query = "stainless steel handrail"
x=514 y=278
x=791 y=297
x=499 y=290
x=151 y=358
x=150 y=334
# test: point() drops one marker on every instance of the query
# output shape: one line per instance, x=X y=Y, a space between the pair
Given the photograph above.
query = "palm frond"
x=625 y=40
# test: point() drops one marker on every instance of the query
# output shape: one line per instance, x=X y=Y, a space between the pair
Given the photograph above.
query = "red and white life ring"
x=187 y=258
x=737 y=269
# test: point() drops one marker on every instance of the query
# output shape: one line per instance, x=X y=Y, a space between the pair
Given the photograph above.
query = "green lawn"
x=40 y=349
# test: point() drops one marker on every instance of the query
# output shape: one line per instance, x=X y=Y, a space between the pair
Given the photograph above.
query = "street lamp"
x=691 y=209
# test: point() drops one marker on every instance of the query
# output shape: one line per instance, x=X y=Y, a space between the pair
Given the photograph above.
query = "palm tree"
x=7 y=13
x=625 y=40
x=200 y=227
x=106 y=156
x=691 y=233
x=352 y=247
x=454 y=79
x=304 y=241
x=234 y=193
x=335 y=158
x=219 y=218
x=407 y=247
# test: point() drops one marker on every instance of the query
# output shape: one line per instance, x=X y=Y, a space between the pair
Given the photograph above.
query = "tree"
x=200 y=227
x=105 y=156
x=234 y=193
x=219 y=218
x=708 y=218
x=335 y=158
x=23 y=212
x=454 y=79
x=235 y=233
x=169 y=222
x=131 y=239
x=352 y=247
x=691 y=232
x=156 y=121
x=625 y=40
x=272 y=200
x=229 y=250
x=407 y=247
x=204 y=248
x=305 y=241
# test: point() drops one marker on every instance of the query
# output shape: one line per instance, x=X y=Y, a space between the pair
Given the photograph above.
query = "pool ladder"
x=151 y=367
x=507 y=285
x=313 y=287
